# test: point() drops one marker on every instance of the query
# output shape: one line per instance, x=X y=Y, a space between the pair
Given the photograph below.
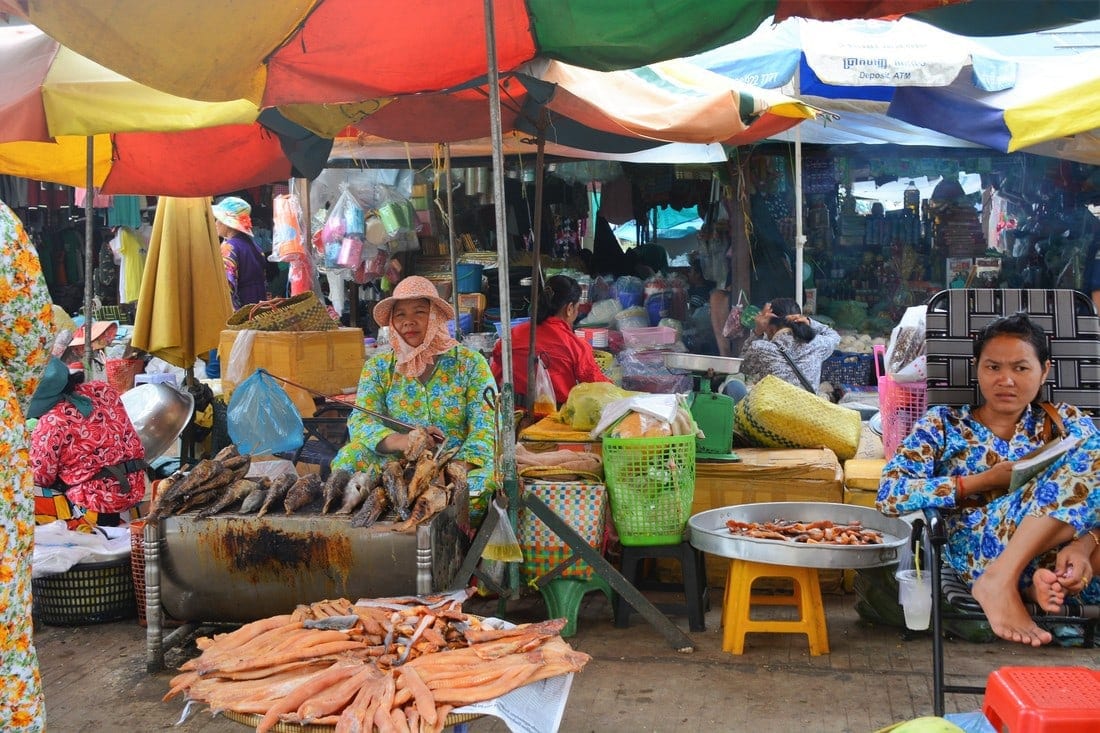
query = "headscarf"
x=412 y=361
x=53 y=388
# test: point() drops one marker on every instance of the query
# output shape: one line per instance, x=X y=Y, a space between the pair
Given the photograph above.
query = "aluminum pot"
x=159 y=413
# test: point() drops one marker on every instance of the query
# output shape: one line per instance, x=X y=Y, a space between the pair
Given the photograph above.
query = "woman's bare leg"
x=719 y=311
x=997 y=589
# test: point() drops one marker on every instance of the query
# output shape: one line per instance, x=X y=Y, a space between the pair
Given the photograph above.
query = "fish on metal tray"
x=235 y=492
x=375 y=504
x=419 y=441
x=229 y=451
x=427 y=468
x=430 y=503
x=253 y=501
x=277 y=492
x=393 y=479
x=304 y=490
x=332 y=623
x=357 y=487
x=334 y=488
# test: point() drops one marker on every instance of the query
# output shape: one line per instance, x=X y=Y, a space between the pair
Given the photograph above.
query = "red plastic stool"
x=1043 y=699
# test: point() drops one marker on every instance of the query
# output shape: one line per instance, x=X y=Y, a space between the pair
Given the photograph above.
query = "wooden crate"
x=329 y=362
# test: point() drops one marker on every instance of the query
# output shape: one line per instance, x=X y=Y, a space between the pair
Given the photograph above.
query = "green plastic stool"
x=562 y=597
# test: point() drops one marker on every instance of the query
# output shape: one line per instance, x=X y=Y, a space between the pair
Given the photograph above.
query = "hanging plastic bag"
x=240 y=356
x=503 y=545
x=287 y=243
x=545 y=401
x=733 y=327
x=905 y=356
x=261 y=417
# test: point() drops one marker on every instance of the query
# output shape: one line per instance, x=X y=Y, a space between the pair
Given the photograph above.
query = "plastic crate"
x=848 y=368
x=901 y=404
x=651 y=336
x=87 y=593
x=651 y=483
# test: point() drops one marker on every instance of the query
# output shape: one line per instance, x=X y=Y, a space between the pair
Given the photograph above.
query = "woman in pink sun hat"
x=428 y=380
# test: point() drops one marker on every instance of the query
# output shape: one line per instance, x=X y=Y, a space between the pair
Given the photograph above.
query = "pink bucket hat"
x=411 y=288
x=235 y=213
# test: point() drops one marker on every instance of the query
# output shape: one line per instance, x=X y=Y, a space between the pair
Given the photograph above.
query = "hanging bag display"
x=261 y=417
x=545 y=400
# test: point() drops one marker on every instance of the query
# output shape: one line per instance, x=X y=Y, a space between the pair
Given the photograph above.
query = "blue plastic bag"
x=262 y=418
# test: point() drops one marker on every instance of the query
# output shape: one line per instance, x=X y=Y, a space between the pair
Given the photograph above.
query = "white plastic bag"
x=239 y=356
x=905 y=357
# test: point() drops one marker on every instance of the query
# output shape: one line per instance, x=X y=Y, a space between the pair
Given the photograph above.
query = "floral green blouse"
x=454 y=399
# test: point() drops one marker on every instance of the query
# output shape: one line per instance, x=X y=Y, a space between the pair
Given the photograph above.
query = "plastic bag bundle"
x=287 y=243
x=629 y=290
x=342 y=237
x=905 y=357
x=261 y=417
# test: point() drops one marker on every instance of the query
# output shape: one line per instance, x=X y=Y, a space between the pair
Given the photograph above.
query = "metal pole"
x=536 y=266
x=451 y=236
x=507 y=391
x=799 y=236
x=89 y=248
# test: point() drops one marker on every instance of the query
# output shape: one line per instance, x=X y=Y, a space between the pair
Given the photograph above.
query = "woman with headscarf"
x=245 y=264
x=428 y=380
x=84 y=445
x=568 y=359
x=26 y=332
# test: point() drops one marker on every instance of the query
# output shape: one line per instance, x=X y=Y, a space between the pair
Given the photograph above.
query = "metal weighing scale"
x=713 y=412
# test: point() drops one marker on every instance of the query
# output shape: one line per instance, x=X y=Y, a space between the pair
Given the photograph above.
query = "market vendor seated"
x=85 y=451
x=428 y=380
x=568 y=359
x=787 y=344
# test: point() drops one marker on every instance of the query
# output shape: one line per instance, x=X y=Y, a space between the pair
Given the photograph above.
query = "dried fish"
x=236 y=491
x=304 y=490
x=374 y=506
x=393 y=480
x=277 y=492
x=253 y=501
x=419 y=442
x=430 y=503
x=334 y=488
x=357 y=488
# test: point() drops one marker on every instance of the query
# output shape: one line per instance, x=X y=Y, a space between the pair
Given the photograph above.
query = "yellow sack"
x=777 y=414
x=585 y=403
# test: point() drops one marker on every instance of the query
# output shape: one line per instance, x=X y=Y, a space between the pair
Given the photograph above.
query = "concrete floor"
x=96 y=681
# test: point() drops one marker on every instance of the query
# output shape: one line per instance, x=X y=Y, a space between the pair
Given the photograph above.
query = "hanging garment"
x=125 y=211
x=132 y=249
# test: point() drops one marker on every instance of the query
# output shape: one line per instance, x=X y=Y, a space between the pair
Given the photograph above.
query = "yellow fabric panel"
x=64 y=161
x=224 y=62
x=82 y=97
x=327 y=120
x=1063 y=113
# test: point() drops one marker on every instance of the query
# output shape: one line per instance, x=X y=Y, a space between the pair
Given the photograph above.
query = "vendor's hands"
x=435 y=434
x=1073 y=566
x=972 y=488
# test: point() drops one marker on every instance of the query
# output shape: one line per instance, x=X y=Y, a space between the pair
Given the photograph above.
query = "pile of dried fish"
x=207 y=484
x=385 y=664
x=415 y=487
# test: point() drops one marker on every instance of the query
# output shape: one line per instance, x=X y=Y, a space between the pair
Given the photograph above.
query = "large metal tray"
x=702 y=364
x=708 y=533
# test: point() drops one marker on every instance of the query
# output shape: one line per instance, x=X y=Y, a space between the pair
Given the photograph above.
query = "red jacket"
x=567 y=357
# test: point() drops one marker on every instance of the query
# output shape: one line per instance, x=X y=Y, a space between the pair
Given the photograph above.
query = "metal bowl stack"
x=159 y=413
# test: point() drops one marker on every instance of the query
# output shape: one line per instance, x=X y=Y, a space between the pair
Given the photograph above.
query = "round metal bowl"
x=703 y=364
x=159 y=414
x=708 y=532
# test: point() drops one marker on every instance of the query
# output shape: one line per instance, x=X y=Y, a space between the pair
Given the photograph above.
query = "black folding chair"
x=954 y=318
x=325 y=433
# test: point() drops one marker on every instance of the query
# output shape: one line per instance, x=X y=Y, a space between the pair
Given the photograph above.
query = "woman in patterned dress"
x=960 y=460
x=26 y=330
x=428 y=380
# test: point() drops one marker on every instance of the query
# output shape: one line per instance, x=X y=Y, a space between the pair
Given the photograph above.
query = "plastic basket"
x=87 y=593
x=651 y=336
x=848 y=368
x=582 y=506
x=651 y=483
x=901 y=404
x=137 y=566
x=121 y=373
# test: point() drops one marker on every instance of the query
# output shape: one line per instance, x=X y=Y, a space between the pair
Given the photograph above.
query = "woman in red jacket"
x=567 y=358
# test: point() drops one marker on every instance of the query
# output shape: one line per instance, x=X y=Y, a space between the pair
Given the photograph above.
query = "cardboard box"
x=328 y=362
x=766 y=475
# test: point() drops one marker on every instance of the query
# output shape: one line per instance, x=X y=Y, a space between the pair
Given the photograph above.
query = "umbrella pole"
x=799 y=236
x=89 y=249
x=507 y=393
x=451 y=236
x=536 y=265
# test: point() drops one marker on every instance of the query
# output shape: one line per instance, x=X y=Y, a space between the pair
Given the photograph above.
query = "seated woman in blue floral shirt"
x=428 y=380
x=960 y=460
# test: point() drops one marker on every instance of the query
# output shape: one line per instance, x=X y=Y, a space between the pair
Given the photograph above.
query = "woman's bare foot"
x=1047 y=591
x=996 y=592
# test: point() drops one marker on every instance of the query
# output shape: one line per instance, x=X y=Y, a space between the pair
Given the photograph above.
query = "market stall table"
x=231 y=569
x=753 y=558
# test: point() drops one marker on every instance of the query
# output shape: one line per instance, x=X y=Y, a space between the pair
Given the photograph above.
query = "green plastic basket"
x=651 y=483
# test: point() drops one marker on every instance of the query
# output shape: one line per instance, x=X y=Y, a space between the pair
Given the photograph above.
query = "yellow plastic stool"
x=739 y=599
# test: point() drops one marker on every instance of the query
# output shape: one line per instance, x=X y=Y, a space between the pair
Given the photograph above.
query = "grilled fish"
x=334 y=488
x=304 y=490
x=456 y=473
x=419 y=441
x=375 y=504
x=236 y=491
x=277 y=492
x=253 y=501
x=427 y=468
x=430 y=503
x=229 y=451
x=393 y=480
x=357 y=488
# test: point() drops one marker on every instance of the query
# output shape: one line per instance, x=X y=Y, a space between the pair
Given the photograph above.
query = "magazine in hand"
x=1039 y=460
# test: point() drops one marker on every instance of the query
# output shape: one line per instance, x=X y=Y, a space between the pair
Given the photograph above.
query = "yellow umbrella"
x=184 y=301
